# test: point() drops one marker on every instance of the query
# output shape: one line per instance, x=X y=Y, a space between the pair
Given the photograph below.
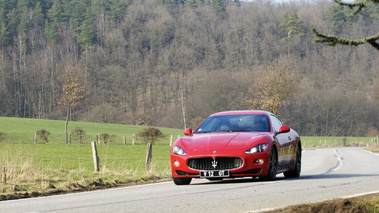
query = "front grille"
x=218 y=163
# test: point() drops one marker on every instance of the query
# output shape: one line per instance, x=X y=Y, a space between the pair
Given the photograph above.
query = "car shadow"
x=233 y=180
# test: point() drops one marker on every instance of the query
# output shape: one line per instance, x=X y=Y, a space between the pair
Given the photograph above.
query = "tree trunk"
x=66 y=123
x=183 y=111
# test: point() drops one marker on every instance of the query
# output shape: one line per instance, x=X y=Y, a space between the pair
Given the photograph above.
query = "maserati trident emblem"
x=214 y=163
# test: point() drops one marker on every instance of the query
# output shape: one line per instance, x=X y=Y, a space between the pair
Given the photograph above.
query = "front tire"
x=182 y=181
x=273 y=166
x=296 y=172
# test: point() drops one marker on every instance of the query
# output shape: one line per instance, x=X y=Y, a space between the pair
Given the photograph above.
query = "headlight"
x=179 y=151
x=258 y=148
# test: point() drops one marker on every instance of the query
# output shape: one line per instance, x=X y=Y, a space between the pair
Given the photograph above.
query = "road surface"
x=326 y=174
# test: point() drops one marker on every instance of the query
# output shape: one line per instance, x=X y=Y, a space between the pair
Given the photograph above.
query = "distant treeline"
x=173 y=62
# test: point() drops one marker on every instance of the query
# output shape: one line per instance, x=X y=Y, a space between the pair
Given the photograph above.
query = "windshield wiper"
x=204 y=132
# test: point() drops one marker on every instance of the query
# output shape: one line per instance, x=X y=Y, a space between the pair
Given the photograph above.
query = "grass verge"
x=40 y=169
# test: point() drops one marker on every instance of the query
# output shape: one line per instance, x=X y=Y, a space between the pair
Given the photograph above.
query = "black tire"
x=182 y=181
x=273 y=167
x=295 y=173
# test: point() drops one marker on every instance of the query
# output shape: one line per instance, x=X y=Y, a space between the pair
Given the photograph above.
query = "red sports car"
x=236 y=144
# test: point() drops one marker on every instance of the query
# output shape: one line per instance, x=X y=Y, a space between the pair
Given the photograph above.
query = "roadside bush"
x=150 y=134
x=106 y=138
x=78 y=134
x=2 y=136
x=44 y=135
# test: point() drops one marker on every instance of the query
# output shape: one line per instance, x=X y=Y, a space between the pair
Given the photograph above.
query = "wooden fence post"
x=124 y=140
x=96 y=160
x=4 y=175
x=98 y=139
x=133 y=138
x=171 y=137
x=35 y=138
x=149 y=155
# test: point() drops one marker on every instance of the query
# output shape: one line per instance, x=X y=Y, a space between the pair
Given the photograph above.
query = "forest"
x=171 y=63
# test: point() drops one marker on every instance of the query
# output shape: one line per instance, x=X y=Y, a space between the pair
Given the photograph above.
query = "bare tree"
x=272 y=85
x=71 y=92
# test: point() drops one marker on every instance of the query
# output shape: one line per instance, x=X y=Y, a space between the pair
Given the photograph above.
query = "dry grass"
x=29 y=175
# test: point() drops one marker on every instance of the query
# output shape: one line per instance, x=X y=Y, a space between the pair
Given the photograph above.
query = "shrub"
x=107 y=138
x=2 y=136
x=78 y=134
x=44 y=135
x=150 y=134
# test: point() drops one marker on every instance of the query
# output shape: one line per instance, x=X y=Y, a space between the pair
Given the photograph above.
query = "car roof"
x=241 y=112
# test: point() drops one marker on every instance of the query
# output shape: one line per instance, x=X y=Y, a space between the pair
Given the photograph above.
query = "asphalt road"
x=326 y=174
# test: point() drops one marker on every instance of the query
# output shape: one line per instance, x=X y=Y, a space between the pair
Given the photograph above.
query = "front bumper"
x=252 y=165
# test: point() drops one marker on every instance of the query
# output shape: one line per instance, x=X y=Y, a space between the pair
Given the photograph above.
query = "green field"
x=27 y=166
x=318 y=141
x=22 y=130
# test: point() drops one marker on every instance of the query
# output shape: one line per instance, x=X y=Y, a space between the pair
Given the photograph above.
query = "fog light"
x=176 y=163
x=259 y=161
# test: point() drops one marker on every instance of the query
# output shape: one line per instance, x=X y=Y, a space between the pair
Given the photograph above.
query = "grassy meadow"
x=314 y=142
x=28 y=165
x=22 y=130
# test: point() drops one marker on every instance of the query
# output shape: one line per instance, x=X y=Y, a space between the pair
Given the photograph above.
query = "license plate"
x=216 y=173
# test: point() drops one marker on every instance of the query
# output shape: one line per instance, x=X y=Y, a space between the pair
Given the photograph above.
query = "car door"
x=285 y=148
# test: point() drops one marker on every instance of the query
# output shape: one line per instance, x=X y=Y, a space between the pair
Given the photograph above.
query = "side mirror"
x=284 y=129
x=188 y=131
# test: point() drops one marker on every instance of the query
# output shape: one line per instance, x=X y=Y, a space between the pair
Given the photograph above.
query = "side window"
x=276 y=123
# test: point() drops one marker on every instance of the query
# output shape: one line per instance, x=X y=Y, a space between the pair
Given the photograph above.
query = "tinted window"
x=276 y=123
x=235 y=123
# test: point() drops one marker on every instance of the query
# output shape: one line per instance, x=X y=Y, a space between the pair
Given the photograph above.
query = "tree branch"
x=334 y=40
x=359 y=4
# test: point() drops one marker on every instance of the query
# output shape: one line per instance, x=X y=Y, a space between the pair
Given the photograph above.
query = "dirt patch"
x=361 y=204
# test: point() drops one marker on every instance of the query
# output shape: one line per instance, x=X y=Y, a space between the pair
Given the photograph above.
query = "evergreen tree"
x=4 y=32
x=86 y=36
x=56 y=13
x=219 y=5
x=339 y=18
x=55 y=16
x=291 y=25
x=192 y=3
x=13 y=23
x=117 y=10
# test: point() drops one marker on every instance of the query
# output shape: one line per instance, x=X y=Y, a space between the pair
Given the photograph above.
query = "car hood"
x=221 y=141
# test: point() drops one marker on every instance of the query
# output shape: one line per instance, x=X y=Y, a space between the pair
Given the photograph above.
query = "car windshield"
x=235 y=123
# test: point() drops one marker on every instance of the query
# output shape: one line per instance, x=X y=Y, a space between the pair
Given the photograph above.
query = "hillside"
x=172 y=63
